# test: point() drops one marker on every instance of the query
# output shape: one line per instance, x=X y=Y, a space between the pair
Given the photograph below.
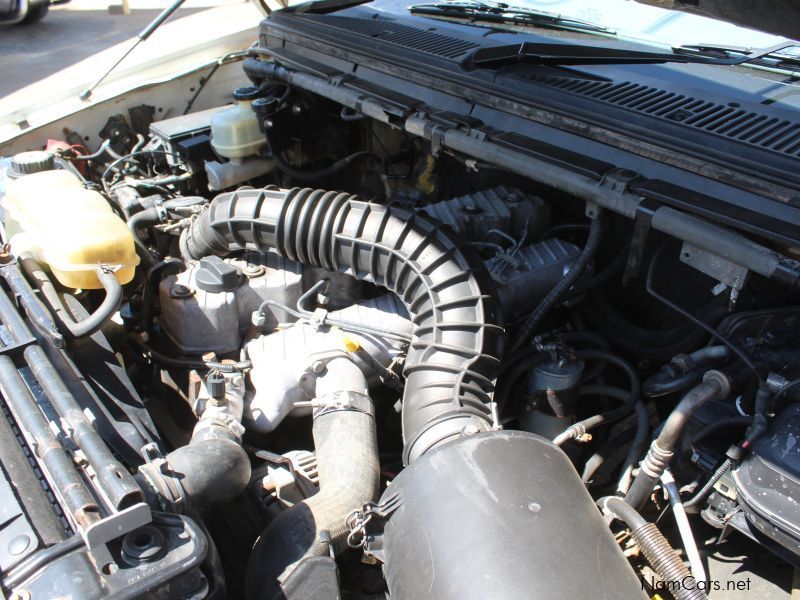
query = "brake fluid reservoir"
x=69 y=228
x=234 y=131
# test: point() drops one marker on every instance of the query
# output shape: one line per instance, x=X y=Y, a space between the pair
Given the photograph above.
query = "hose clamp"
x=366 y=525
x=339 y=401
x=162 y=479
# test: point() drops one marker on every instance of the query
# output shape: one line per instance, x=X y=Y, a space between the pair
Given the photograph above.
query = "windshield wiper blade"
x=505 y=14
x=567 y=54
x=734 y=55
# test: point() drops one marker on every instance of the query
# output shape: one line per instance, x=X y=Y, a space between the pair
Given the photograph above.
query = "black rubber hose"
x=204 y=471
x=714 y=426
x=576 y=430
x=347 y=459
x=311 y=175
x=93 y=322
x=506 y=381
x=657 y=550
x=653 y=344
x=639 y=443
x=715 y=385
x=682 y=371
x=141 y=220
x=564 y=284
x=456 y=346
x=186 y=362
x=661 y=385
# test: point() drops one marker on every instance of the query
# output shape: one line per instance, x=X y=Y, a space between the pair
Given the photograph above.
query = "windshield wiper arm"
x=572 y=54
x=503 y=13
x=567 y=54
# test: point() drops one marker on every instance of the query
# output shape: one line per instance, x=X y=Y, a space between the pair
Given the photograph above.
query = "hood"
x=778 y=17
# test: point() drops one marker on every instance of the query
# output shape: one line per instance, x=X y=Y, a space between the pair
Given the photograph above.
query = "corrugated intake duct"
x=456 y=346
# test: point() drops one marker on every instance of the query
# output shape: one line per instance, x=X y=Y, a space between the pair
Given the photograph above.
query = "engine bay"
x=295 y=346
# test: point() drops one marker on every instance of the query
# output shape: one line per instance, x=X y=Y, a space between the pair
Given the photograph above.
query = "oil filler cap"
x=26 y=163
x=215 y=275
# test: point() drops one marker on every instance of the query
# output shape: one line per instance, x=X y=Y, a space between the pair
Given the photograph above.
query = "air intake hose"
x=451 y=363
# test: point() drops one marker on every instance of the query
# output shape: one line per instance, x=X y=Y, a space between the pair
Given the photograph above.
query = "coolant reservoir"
x=69 y=228
x=234 y=131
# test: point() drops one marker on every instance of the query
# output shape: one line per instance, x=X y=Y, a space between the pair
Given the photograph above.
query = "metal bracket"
x=116 y=525
x=340 y=78
x=437 y=139
x=641 y=228
x=723 y=270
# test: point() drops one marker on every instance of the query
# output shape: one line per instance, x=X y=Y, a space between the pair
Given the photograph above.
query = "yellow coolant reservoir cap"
x=70 y=228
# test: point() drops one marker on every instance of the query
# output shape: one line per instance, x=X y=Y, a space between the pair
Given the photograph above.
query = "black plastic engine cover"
x=768 y=481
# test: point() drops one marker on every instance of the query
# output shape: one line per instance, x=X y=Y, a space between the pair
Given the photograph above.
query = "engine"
x=285 y=349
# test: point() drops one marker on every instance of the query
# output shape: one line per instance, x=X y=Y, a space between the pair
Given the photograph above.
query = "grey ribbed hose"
x=456 y=347
x=347 y=460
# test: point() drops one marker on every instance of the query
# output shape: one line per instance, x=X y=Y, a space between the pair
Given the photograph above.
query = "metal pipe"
x=115 y=481
x=68 y=483
x=715 y=385
x=685 y=530
x=35 y=309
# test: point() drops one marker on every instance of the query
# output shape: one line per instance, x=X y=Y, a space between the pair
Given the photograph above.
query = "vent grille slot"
x=397 y=34
x=727 y=120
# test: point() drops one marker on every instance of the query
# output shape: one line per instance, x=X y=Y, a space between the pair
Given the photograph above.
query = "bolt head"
x=178 y=290
x=471 y=209
x=251 y=271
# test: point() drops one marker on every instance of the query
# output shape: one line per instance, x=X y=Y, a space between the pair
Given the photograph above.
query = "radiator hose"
x=456 y=347
x=347 y=459
x=213 y=466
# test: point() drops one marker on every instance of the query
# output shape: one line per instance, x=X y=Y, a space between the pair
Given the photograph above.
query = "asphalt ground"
x=73 y=32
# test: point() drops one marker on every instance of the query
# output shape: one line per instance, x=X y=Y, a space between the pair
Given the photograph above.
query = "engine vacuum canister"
x=68 y=227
